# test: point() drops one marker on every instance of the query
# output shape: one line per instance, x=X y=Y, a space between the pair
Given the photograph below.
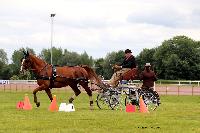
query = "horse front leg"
x=42 y=87
x=91 y=103
x=48 y=91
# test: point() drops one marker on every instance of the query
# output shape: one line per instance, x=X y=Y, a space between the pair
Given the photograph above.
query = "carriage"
x=126 y=93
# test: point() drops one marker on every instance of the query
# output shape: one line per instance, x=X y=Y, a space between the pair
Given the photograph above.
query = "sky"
x=96 y=26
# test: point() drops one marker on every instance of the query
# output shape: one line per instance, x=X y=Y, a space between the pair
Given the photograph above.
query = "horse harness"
x=53 y=76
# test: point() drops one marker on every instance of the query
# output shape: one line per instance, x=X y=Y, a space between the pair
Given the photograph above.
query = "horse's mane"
x=92 y=75
x=39 y=61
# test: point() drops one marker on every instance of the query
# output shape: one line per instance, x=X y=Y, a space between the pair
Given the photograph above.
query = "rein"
x=39 y=70
x=43 y=67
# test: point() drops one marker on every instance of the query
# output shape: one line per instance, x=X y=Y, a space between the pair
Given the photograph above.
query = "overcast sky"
x=96 y=26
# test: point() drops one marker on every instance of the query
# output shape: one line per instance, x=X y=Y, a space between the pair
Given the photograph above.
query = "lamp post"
x=52 y=16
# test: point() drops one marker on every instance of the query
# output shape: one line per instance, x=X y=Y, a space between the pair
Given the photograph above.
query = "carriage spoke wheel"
x=114 y=101
x=131 y=101
x=150 y=100
x=117 y=101
x=103 y=101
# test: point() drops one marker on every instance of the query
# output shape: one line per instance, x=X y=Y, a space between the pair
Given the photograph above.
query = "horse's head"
x=25 y=62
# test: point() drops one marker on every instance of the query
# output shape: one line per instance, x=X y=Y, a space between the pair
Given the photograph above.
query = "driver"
x=128 y=63
x=148 y=76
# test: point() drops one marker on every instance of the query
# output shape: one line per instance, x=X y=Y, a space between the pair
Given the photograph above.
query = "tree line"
x=176 y=58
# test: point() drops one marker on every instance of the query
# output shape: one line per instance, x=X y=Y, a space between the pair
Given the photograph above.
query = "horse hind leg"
x=84 y=84
x=76 y=92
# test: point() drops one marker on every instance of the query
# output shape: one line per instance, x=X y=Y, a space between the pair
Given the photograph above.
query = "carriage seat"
x=130 y=75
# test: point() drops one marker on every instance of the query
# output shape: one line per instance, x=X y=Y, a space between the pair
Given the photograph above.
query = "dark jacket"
x=129 y=63
x=148 y=78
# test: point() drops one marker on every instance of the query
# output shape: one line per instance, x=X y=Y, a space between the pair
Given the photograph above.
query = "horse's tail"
x=92 y=75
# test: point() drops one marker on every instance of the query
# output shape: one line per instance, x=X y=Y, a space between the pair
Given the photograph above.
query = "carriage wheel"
x=114 y=101
x=133 y=102
x=117 y=101
x=103 y=101
x=150 y=100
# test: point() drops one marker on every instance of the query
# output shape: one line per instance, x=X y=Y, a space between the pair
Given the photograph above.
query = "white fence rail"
x=134 y=81
x=18 y=81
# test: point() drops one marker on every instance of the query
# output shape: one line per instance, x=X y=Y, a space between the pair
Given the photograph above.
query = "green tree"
x=70 y=58
x=14 y=77
x=86 y=60
x=73 y=59
x=3 y=57
x=56 y=55
x=3 y=64
x=111 y=59
x=146 y=56
x=178 y=58
x=99 y=66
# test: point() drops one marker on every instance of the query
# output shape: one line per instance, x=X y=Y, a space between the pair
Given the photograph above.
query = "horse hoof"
x=38 y=104
x=91 y=107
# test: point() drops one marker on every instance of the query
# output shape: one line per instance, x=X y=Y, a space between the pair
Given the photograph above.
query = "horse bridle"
x=22 y=64
x=28 y=67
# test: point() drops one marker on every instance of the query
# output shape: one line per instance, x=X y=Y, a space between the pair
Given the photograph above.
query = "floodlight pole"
x=52 y=16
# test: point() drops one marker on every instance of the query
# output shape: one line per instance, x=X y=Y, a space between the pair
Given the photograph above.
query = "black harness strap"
x=53 y=76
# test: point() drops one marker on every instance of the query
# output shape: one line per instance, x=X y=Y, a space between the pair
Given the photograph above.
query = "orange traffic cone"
x=130 y=108
x=20 y=105
x=143 y=107
x=53 y=106
x=27 y=104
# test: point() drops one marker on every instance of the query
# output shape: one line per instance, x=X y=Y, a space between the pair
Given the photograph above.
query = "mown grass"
x=177 y=114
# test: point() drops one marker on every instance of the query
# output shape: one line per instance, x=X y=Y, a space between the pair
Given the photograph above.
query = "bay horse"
x=49 y=76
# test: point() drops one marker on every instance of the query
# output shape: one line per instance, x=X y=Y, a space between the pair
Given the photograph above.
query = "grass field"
x=177 y=114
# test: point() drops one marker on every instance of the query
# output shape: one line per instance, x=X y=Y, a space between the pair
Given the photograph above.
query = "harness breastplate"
x=54 y=74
